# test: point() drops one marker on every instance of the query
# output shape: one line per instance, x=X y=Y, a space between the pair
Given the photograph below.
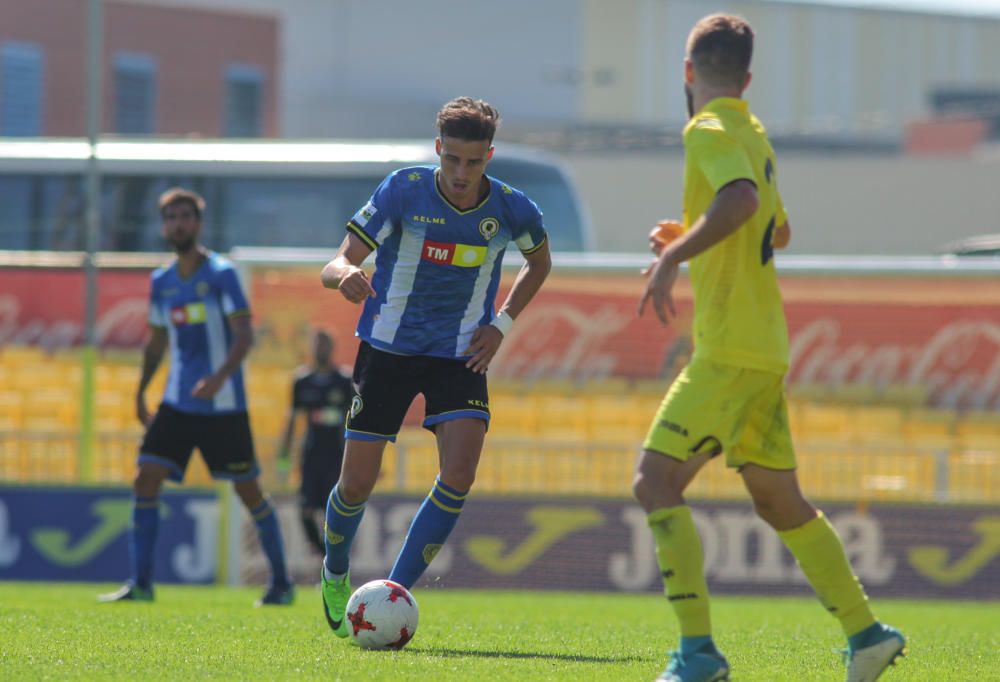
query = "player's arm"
x=344 y=271
x=733 y=206
x=486 y=340
x=782 y=235
x=242 y=332
x=152 y=355
x=287 y=436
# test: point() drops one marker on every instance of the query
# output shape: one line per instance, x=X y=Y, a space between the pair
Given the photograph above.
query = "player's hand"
x=207 y=387
x=483 y=346
x=355 y=285
x=141 y=411
x=782 y=236
x=664 y=232
x=659 y=288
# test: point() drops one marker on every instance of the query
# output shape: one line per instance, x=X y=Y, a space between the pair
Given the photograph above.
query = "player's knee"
x=459 y=478
x=654 y=492
x=354 y=491
x=148 y=481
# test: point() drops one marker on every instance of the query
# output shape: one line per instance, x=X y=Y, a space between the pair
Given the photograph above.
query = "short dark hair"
x=465 y=118
x=179 y=195
x=720 y=46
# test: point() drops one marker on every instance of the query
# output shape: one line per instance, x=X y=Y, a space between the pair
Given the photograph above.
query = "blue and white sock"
x=431 y=526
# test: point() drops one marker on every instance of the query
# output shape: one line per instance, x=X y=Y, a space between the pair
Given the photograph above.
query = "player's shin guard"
x=431 y=526
x=142 y=539
x=265 y=517
x=681 y=561
x=342 y=521
x=821 y=557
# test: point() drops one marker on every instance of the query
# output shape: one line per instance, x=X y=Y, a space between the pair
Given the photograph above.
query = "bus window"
x=258 y=194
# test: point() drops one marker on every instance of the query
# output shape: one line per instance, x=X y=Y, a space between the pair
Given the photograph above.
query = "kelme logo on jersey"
x=192 y=313
x=462 y=255
x=362 y=217
x=488 y=227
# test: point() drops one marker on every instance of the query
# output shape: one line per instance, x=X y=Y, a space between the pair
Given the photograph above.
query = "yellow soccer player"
x=730 y=398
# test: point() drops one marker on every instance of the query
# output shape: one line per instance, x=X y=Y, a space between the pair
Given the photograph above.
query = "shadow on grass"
x=464 y=653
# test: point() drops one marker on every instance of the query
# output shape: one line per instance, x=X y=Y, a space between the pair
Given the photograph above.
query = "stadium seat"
x=825 y=422
x=878 y=424
x=928 y=429
x=978 y=431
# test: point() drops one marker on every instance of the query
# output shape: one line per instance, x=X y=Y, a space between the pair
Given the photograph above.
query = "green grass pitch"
x=59 y=632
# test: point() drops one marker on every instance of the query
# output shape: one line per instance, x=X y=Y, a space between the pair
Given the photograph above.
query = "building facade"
x=166 y=70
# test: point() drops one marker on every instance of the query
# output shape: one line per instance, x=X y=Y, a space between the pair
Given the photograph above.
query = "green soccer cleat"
x=702 y=666
x=882 y=647
x=336 y=593
x=127 y=592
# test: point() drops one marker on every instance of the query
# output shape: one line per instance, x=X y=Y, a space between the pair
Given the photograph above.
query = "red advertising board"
x=937 y=332
x=45 y=307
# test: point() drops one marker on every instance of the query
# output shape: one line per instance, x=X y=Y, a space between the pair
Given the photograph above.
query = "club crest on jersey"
x=192 y=313
x=413 y=177
x=488 y=227
x=356 y=406
x=462 y=255
x=201 y=289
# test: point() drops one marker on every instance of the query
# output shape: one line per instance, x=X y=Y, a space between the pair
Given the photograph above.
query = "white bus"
x=260 y=193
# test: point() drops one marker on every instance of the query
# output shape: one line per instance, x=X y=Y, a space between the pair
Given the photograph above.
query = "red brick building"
x=167 y=70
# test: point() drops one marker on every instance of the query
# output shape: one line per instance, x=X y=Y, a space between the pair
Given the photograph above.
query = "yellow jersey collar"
x=731 y=103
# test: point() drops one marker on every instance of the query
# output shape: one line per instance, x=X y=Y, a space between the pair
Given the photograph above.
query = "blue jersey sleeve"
x=377 y=219
x=155 y=306
x=234 y=301
x=529 y=233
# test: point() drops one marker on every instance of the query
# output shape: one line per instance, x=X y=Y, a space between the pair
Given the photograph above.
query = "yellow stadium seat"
x=826 y=422
x=978 y=431
x=11 y=410
x=974 y=476
x=878 y=423
x=51 y=409
x=925 y=429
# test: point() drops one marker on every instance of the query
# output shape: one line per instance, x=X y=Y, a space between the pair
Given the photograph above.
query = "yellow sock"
x=679 y=554
x=821 y=557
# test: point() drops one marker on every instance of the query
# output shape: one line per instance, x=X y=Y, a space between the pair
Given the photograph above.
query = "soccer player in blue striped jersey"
x=198 y=309
x=428 y=326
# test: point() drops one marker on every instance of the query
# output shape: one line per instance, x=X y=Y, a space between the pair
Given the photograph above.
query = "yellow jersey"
x=738 y=314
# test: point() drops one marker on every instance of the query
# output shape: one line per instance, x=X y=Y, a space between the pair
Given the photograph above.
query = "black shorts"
x=386 y=384
x=223 y=439
x=320 y=471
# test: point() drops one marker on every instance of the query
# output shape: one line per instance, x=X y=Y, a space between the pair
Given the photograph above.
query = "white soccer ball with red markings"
x=382 y=614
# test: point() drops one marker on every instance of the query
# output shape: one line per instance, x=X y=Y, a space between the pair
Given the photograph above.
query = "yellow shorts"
x=713 y=407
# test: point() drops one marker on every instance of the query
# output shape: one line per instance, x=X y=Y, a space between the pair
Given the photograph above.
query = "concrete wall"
x=837 y=205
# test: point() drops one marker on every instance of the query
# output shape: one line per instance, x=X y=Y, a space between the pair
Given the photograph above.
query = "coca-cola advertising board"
x=934 y=331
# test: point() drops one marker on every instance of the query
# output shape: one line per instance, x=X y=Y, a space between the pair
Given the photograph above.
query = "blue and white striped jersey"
x=437 y=268
x=195 y=312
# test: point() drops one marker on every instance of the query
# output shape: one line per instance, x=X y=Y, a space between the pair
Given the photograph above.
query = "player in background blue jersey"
x=198 y=308
x=428 y=326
